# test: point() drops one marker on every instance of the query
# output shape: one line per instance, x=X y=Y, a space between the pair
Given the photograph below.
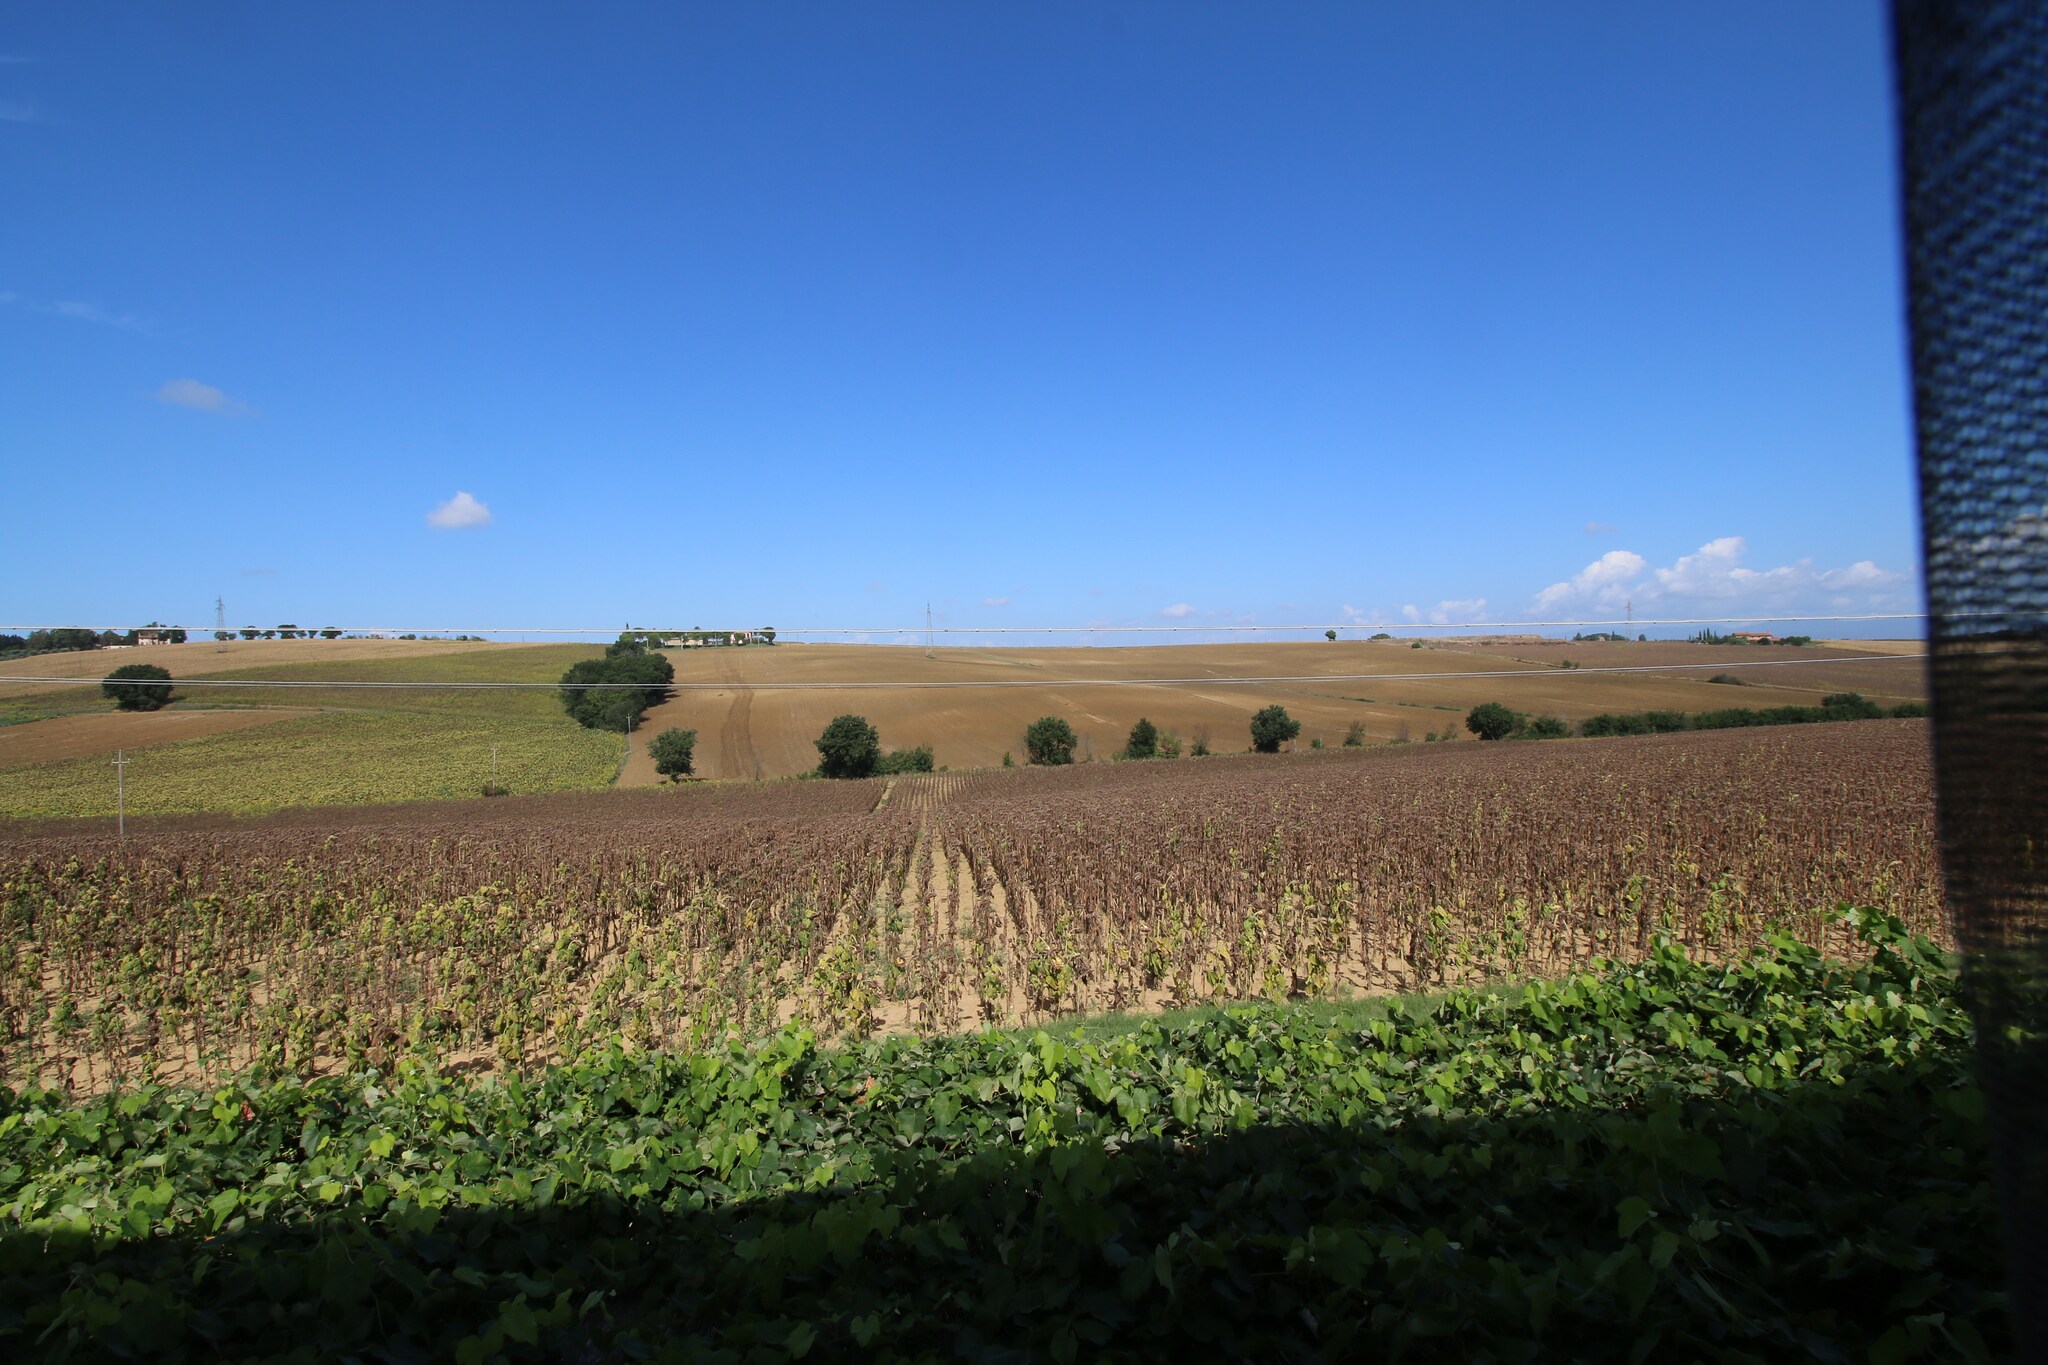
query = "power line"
x=930 y=683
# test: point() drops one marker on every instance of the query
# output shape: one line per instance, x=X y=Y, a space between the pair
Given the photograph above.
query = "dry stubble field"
x=343 y=746
x=515 y=932
x=767 y=733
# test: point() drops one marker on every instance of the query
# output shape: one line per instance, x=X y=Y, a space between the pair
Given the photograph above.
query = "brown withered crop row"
x=506 y=934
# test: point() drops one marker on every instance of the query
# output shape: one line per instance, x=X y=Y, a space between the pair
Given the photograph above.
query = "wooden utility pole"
x=121 y=792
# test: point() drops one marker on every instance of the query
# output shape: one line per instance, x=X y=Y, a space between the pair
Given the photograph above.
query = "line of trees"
x=287 y=631
x=1492 y=720
x=1714 y=637
x=72 y=639
x=852 y=747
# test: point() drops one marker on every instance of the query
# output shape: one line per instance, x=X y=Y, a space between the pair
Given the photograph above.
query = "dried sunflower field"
x=509 y=934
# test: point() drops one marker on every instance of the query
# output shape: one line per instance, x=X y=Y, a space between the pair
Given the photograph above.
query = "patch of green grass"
x=526 y=664
x=1342 y=1012
x=461 y=664
x=340 y=757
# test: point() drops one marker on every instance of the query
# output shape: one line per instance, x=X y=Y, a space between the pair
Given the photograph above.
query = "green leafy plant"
x=1545 y=1172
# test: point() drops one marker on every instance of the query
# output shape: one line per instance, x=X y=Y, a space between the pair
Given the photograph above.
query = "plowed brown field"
x=745 y=733
x=79 y=736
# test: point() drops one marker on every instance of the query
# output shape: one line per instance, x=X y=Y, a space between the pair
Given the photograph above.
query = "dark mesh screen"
x=1973 y=109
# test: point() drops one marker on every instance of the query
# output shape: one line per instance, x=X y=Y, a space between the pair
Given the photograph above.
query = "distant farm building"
x=700 y=639
x=1753 y=637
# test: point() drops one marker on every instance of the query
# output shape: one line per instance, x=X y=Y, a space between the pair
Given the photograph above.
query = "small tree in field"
x=1490 y=720
x=1050 y=741
x=1273 y=727
x=675 y=753
x=138 y=687
x=1144 y=740
x=849 y=748
x=1329 y=635
x=917 y=760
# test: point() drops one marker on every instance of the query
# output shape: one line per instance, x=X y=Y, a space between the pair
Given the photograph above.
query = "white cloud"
x=995 y=601
x=1861 y=574
x=190 y=393
x=1715 y=571
x=460 y=511
x=1604 y=582
x=1179 y=611
x=1715 y=574
x=1448 y=611
x=1599 y=528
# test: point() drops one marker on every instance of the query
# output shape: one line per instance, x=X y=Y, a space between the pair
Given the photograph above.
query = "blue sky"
x=810 y=314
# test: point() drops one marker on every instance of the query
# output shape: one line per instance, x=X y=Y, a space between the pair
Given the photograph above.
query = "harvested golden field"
x=748 y=734
x=509 y=933
x=745 y=733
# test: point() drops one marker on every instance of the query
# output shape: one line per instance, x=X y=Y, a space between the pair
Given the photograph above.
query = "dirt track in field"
x=46 y=741
x=744 y=733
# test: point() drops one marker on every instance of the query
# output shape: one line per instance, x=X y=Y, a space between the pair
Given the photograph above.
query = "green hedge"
x=1838 y=706
x=1779 y=1159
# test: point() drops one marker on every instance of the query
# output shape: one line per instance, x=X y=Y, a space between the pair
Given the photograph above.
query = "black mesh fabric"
x=1973 y=113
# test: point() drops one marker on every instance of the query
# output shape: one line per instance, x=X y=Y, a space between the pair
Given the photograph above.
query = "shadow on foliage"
x=1841 y=1220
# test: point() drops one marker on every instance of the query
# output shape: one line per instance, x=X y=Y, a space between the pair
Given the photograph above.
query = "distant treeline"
x=68 y=639
x=1838 y=706
x=1709 y=637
